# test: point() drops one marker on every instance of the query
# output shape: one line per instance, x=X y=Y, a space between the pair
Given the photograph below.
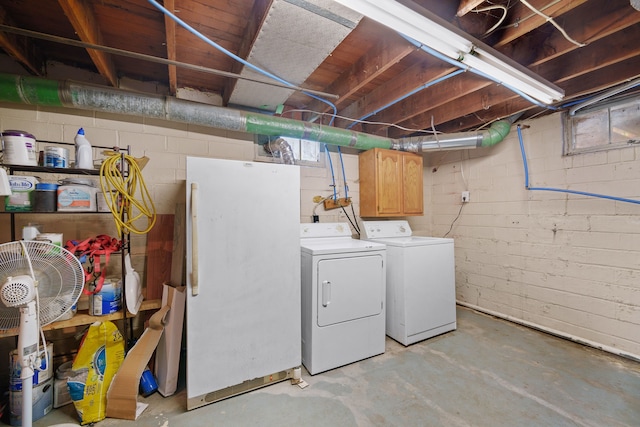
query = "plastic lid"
x=77 y=181
x=81 y=131
x=17 y=133
x=46 y=186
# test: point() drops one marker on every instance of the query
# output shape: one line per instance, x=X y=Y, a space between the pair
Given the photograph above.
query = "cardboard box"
x=122 y=397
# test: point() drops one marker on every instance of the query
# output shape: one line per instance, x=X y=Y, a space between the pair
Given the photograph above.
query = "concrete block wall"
x=166 y=144
x=567 y=263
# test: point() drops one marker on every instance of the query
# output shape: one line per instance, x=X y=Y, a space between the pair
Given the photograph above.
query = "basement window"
x=603 y=126
x=305 y=152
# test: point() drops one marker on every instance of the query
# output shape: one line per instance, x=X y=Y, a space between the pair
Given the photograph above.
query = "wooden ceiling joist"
x=254 y=23
x=409 y=81
x=81 y=16
x=522 y=20
x=170 y=31
x=600 y=26
x=370 y=66
x=20 y=48
x=467 y=6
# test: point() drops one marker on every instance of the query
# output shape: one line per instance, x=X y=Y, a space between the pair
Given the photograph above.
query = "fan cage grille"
x=58 y=274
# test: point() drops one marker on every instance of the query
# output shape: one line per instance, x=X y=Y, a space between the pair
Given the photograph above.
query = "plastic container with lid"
x=19 y=148
x=45 y=197
x=76 y=195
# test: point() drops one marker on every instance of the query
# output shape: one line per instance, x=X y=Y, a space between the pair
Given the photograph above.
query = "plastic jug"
x=84 y=152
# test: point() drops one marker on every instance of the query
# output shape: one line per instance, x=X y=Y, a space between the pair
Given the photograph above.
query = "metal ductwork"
x=292 y=29
x=52 y=93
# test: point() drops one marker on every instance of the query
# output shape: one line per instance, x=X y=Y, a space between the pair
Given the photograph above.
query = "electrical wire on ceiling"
x=520 y=20
x=547 y=18
x=493 y=7
x=552 y=22
x=234 y=56
x=367 y=122
x=406 y=95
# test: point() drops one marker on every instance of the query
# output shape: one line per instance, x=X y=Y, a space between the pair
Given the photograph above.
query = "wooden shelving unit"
x=82 y=317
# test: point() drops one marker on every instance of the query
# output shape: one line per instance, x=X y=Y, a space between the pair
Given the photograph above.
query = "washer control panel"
x=383 y=229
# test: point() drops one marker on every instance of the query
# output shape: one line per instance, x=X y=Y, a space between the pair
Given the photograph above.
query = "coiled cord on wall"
x=119 y=190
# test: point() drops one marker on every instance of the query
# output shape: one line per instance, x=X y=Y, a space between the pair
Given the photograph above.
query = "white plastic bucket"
x=19 y=148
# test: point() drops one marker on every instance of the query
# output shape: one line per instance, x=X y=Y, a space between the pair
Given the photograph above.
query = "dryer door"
x=350 y=288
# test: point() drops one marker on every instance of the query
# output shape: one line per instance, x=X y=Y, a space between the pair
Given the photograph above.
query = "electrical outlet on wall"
x=465 y=197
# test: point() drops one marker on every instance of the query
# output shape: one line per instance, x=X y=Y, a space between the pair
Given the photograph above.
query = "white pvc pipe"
x=551 y=331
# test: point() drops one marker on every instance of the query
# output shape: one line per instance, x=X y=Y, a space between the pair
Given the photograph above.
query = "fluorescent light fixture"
x=437 y=34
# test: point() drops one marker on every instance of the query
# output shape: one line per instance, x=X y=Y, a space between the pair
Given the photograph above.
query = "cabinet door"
x=389 y=182
x=412 y=184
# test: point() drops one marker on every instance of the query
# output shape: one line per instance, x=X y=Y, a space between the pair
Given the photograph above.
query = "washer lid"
x=378 y=229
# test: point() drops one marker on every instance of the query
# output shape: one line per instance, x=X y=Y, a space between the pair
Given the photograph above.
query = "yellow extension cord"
x=120 y=194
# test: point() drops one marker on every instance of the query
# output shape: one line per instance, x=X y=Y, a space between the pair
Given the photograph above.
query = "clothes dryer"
x=343 y=296
x=421 y=295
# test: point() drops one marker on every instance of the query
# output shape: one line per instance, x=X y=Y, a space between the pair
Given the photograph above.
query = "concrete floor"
x=488 y=372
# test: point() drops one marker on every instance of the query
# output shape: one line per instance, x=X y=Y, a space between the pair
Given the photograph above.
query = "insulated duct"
x=52 y=93
x=281 y=148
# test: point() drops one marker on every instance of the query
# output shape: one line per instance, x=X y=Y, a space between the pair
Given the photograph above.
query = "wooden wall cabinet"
x=390 y=183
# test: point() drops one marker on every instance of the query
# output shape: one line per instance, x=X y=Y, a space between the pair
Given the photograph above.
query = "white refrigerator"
x=243 y=277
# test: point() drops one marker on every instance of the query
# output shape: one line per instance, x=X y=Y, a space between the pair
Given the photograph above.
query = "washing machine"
x=343 y=296
x=421 y=294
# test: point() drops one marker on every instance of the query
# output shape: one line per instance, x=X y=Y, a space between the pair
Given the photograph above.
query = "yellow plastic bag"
x=99 y=358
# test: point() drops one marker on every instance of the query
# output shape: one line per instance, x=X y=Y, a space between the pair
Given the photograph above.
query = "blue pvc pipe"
x=413 y=92
x=344 y=176
x=333 y=177
x=234 y=56
x=560 y=190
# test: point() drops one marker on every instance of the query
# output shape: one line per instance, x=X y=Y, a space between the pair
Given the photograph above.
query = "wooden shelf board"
x=82 y=318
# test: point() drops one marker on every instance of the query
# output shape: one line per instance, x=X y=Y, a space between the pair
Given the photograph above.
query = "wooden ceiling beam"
x=618 y=16
x=170 y=37
x=604 y=52
x=255 y=20
x=522 y=20
x=464 y=114
x=603 y=78
x=555 y=68
x=482 y=102
x=370 y=66
x=508 y=107
x=20 y=48
x=467 y=6
x=597 y=81
x=84 y=22
x=410 y=80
